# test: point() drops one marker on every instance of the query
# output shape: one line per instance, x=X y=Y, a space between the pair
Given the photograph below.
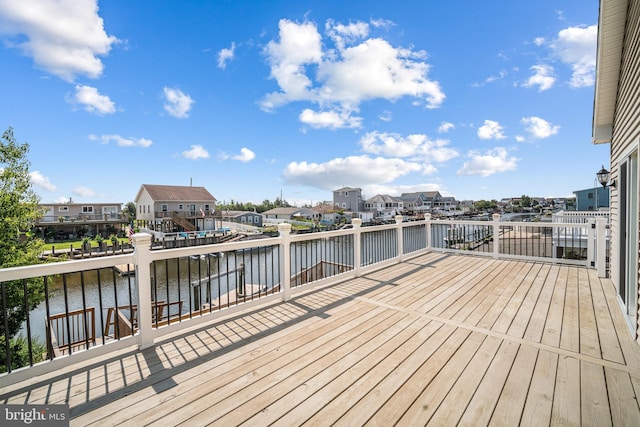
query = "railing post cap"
x=284 y=228
x=399 y=219
x=141 y=239
x=496 y=217
x=427 y=216
x=356 y=222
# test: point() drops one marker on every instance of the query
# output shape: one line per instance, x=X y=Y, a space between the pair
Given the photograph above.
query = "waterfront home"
x=292 y=214
x=616 y=115
x=384 y=206
x=349 y=199
x=170 y=208
x=243 y=217
x=331 y=214
x=70 y=220
x=592 y=199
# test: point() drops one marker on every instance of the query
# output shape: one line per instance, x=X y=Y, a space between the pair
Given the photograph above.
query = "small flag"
x=131 y=232
x=202 y=212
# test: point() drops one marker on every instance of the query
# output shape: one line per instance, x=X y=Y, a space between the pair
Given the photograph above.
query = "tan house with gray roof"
x=171 y=207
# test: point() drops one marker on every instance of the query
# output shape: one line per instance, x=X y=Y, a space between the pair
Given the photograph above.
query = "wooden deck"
x=438 y=339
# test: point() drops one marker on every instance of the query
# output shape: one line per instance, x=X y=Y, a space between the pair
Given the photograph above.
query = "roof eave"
x=611 y=28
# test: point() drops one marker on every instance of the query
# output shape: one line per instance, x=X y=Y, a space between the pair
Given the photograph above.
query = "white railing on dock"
x=363 y=249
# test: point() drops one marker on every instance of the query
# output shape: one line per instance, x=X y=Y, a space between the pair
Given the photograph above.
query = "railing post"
x=400 y=236
x=142 y=261
x=357 y=243
x=496 y=235
x=427 y=218
x=591 y=242
x=601 y=246
x=284 y=229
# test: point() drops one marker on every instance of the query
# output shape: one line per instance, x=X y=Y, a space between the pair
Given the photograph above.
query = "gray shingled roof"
x=162 y=193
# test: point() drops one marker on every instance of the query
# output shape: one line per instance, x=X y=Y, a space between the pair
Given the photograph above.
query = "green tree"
x=18 y=245
x=130 y=211
x=525 y=201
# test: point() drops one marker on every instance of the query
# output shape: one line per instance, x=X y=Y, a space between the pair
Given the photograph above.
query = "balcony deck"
x=437 y=339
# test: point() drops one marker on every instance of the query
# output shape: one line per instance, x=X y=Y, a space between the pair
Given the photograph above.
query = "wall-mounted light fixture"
x=603 y=178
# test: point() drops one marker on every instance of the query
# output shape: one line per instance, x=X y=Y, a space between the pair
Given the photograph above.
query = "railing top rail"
x=211 y=248
x=53 y=268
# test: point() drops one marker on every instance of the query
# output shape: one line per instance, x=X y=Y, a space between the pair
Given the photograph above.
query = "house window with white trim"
x=87 y=209
x=63 y=208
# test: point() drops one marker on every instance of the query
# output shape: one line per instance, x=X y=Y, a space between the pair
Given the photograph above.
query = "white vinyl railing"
x=248 y=273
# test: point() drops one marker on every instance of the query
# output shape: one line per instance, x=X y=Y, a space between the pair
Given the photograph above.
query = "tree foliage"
x=18 y=245
x=483 y=205
x=130 y=211
x=248 y=206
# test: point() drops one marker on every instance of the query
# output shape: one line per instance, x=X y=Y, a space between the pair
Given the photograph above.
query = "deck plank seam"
x=557 y=350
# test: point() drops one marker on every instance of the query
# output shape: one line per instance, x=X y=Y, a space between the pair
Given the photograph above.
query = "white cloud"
x=64 y=37
x=542 y=77
x=492 y=161
x=226 y=55
x=42 y=181
x=520 y=138
x=576 y=46
x=346 y=34
x=538 y=41
x=178 y=104
x=121 y=141
x=196 y=152
x=83 y=191
x=329 y=119
x=417 y=147
x=501 y=75
x=539 y=128
x=356 y=170
x=245 y=155
x=445 y=127
x=386 y=116
x=353 y=71
x=490 y=130
x=93 y=101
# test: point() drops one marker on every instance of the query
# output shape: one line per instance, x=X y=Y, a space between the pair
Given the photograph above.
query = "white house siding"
x=144 y=205
x=626 y=131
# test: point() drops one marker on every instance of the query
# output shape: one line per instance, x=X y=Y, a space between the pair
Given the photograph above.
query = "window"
x=180 y=207
x=243 y=219
x=87 y=209
x=344 y=205
x=256 y=220
x=207 y=208
x=250 y=219
x=590 y=196
x=63 y=208
x=164 y=208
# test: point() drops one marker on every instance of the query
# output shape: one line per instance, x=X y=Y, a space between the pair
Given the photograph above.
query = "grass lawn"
x=59 y=246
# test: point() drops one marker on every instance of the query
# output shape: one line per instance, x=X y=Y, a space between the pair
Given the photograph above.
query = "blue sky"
x=254 y=99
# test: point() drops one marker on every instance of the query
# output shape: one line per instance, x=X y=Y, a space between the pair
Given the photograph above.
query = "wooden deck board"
x=438 y=339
